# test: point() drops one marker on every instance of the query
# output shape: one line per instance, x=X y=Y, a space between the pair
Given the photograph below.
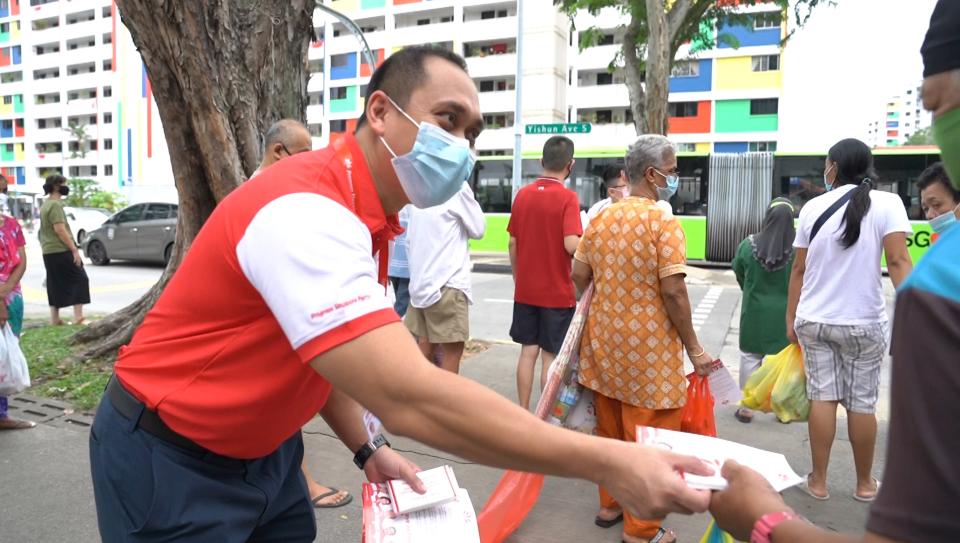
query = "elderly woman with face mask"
x=631 y=354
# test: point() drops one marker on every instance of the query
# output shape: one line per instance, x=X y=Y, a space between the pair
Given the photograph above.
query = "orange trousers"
x=618 y=420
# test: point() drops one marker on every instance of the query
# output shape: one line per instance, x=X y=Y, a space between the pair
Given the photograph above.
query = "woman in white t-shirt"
x=836 y=308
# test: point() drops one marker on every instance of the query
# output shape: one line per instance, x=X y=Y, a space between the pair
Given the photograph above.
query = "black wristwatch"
x=367 y=450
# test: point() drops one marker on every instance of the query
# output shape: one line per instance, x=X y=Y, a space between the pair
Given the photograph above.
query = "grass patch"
x=46 y=349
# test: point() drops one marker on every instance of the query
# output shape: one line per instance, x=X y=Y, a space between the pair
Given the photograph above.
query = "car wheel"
x=80 y=235
x=97 y=253
x=166 y=253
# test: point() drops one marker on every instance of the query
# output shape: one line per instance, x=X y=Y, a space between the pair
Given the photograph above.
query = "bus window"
x=691 y=196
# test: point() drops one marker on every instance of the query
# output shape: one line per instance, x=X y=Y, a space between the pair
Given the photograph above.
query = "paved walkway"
x=46 y=494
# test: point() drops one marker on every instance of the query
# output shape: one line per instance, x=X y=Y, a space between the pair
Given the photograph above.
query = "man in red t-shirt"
x=279 y=311
x=545 y=229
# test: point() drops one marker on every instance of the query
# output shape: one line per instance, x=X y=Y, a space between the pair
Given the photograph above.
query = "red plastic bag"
x=698 y=413
x=514 y=497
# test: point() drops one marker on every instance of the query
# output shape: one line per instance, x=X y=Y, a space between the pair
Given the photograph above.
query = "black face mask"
x=64 y=190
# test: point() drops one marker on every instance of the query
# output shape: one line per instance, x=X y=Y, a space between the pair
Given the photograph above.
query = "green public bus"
x=722 y=197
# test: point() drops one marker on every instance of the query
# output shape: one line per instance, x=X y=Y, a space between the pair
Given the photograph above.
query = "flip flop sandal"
x=870 y=499
x=607 y=523
x=805 y=487
x=333 y=491
x=658 y=537
x=740 y=415
x=17 y=425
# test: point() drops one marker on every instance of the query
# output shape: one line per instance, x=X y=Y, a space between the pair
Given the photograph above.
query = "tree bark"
x=658 y=68
x=634 y=72
x=222 y=73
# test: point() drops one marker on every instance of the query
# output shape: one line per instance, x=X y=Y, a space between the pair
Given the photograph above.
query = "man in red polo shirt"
x=545 y=229
x=279 y=311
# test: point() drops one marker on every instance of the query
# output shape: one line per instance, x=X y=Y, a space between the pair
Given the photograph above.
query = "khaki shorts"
x=446 y=321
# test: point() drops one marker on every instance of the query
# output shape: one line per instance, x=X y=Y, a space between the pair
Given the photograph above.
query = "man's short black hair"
x=557 y=153
x=403 y=72
x=611 y=173
x=936 y=174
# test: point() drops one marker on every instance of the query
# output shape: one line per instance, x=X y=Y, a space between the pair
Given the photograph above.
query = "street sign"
x=558 y=128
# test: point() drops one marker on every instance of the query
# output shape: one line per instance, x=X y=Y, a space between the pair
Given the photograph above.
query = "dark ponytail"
x=854 y=164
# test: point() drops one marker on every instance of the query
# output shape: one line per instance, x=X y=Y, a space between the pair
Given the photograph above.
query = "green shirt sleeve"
x=739 y=266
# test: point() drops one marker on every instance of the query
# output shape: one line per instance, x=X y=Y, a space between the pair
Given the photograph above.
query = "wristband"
x=366 y=451
x=765 y=525
x=702 y=350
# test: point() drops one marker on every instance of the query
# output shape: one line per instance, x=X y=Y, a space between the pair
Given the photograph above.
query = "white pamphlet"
x=724 y=389
x=441 y=487
x=714 y=452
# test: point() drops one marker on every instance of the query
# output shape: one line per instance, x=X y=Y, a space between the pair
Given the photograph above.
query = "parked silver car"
x=144 y=232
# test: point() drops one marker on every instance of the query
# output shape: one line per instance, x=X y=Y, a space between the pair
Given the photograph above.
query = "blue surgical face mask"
x=942 y=222
x=435 y=168
x=673 y=183
x=826 y=182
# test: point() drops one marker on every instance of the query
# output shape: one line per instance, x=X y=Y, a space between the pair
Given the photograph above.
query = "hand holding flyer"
x=714 y=452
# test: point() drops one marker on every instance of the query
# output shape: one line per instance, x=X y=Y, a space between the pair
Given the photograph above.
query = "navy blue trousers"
x=148 y=490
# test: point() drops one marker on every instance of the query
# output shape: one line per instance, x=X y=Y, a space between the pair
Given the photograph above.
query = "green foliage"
x=698 y=24
x=47 y=350
x=87 y=193
x=111 y=201
x=924 y=136
x=79 y=134
x=80 y=191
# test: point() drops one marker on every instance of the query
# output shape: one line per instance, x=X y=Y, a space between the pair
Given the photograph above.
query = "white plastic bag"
x=14 y=376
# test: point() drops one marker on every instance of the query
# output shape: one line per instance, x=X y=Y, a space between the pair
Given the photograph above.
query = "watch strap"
x=366 y=451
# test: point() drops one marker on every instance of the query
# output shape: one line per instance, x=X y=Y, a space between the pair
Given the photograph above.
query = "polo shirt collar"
x=369 y=208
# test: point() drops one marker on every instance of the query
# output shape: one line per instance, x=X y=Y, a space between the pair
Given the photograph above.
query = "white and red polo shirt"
x=282 y=271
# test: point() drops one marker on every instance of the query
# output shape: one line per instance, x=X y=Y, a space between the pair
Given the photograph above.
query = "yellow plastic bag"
x=759 y=387
x=789 y=396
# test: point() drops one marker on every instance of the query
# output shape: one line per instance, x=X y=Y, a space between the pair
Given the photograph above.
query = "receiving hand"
x=747 y=498
x=77 y=260
x=792 y=333
x=648 y=482
x=387 y=464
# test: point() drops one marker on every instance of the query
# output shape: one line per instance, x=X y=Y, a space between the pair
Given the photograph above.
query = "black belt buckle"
x=149 y=421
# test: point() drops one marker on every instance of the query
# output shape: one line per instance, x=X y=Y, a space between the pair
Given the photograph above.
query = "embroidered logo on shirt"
x=338 y=306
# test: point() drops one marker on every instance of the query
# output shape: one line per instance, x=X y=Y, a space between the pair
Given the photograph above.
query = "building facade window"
x=770 y=19
x=764 y=106
x=683 y=109
x=338 y=125
x=686 y=147
x=766 y=63
x=338 y=93
x=108 y=144
x=762 y=146
x=604 y=78
x=108 y=169
x=689 y=68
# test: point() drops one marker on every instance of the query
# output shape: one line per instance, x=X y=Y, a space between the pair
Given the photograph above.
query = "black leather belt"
x=130 y=407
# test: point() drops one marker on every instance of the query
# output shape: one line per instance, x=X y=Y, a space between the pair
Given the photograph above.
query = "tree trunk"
x=634 y=73
x=658 y=68
x=222 y=73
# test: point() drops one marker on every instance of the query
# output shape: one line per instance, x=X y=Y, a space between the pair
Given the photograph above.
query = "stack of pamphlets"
x=394 y=513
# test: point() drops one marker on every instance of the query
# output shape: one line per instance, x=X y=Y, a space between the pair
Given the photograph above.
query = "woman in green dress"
x=762 y=267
